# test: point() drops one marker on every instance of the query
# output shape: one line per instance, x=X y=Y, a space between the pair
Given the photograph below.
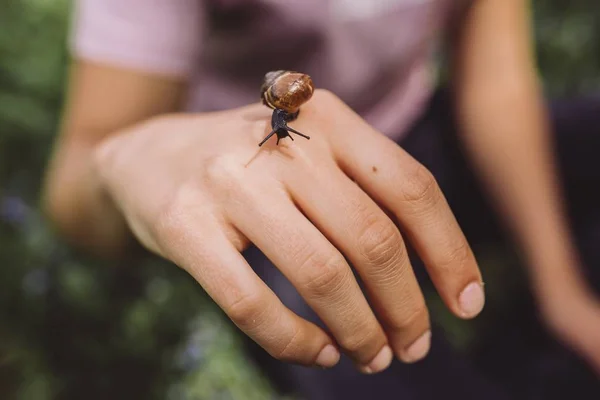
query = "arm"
x=101 y=101
x=125 y=71
x=505 y=130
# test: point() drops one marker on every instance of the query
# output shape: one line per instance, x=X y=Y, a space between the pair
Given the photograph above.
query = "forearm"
x=506 y=134
x=101 y=102
x=79 y=207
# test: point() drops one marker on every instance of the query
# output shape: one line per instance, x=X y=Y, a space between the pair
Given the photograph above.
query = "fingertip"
x=418 y=349
x=471 y=300
x=381 y=362
x=328 y=357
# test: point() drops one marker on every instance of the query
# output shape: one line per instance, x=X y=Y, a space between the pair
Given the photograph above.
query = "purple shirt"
x=377 y=55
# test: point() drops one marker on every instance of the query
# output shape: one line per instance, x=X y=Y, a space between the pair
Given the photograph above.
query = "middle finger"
x=363 y=232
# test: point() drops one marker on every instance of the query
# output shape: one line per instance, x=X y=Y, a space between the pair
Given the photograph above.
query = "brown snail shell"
x=286 y=90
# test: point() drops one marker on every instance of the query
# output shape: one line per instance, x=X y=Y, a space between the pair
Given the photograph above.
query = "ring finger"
x=316 y=268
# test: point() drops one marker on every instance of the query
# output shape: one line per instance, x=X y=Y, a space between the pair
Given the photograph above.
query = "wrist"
x=111 y=236
x=79 y=205
x=554 y=264
x=554 y=272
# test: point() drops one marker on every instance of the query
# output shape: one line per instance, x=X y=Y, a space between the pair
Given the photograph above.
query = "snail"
x=285 y=92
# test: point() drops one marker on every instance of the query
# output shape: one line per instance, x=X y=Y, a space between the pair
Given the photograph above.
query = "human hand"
x=196 y=189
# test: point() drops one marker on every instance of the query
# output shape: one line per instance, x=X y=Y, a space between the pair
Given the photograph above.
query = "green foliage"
x=72 y=327
x=568 y=45
x=75 y=328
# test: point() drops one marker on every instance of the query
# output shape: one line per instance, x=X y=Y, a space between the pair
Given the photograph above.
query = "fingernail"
x=472 y=300
x=419 y=349
x=382 y=360
x=328 y=357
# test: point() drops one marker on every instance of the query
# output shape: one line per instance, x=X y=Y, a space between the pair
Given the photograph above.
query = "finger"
x=374 y=245
x=202 y=250
x=399 y=183
x=317 y=269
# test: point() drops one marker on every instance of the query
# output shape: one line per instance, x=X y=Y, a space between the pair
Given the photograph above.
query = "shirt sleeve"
x=155 y=36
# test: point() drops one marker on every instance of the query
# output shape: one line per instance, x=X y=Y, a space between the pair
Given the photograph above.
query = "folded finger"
x=199 y=246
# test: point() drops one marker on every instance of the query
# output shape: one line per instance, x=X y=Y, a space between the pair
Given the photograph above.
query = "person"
x=158 y=148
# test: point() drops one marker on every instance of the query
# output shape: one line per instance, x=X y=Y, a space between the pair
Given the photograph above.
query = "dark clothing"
x=512 y=356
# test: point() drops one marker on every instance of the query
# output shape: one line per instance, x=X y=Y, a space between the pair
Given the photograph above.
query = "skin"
x=514 y=158
x=129 y=169
x=205 y=202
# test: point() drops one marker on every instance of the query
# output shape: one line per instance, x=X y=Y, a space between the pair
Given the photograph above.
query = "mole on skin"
x=374 y=168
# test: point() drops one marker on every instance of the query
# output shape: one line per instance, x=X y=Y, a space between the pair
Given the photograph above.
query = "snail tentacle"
x=297 y=133
x=267 y=138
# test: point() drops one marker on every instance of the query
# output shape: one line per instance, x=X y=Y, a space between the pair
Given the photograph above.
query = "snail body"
x=286 y=90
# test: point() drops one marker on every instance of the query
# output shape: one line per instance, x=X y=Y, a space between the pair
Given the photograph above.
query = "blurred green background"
x=71 y=325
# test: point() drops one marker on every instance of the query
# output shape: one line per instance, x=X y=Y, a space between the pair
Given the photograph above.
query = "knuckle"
x=456 y=257
x=415 y=315
x=290 y=348
x=246 y=311
x=173 y=218
x=222 y=172
x=324 y=274
x=325 y=102
x=420 y=186
x=361 y=338
x=325 y=95
x=380 y=242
